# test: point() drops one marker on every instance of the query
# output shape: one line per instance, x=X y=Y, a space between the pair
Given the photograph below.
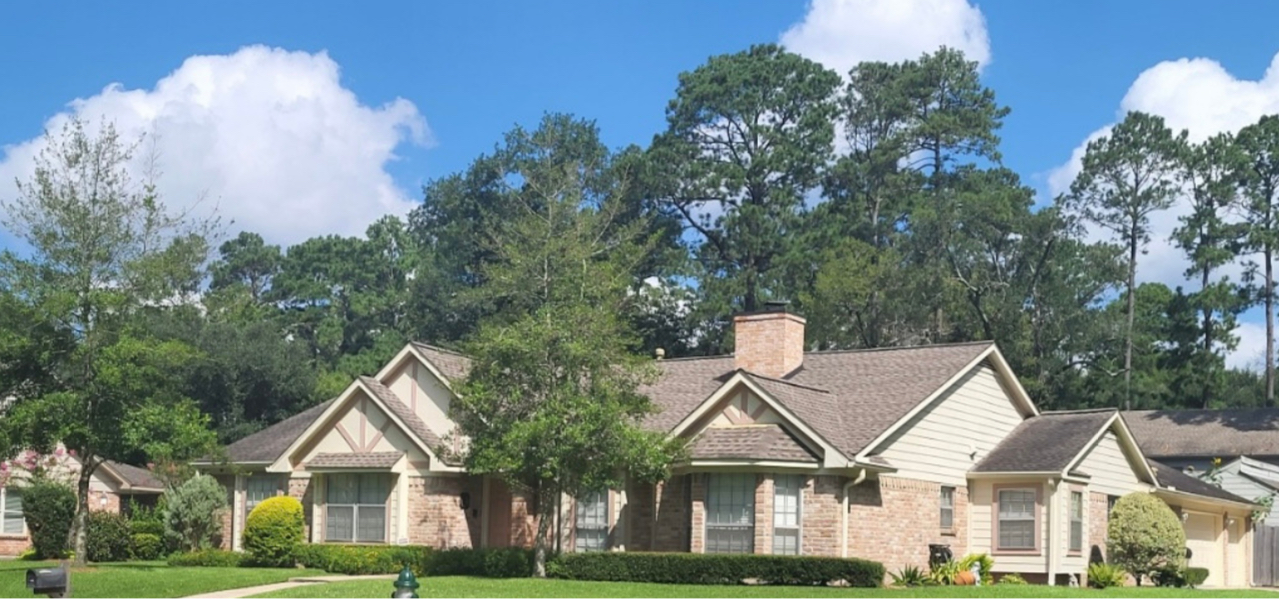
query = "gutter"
x=843 y=517
x=1197 y=497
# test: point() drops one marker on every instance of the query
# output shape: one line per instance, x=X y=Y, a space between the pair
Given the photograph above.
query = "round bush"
x=108 y=537
x=147 y=546
x=48 y=507
x=273 y=531
x=1145 y=536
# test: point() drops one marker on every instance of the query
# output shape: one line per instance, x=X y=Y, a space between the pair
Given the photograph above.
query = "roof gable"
x=1049 y=443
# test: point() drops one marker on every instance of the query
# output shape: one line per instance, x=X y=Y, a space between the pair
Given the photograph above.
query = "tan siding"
x=981 y=528
x=1111 y=471
x=937 y=444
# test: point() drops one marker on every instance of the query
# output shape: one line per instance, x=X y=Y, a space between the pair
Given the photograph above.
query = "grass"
x=458 y=586
x=144 y=579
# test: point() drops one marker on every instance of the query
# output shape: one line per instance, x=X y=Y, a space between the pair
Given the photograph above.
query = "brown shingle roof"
x=682 y=385
x=1176 y=480
x=136 y=477
x=754 y=442
x=267 y=444
x=406 y=414
x=1206 y=433
x=376 y=459
x=452 y=365
x=1045 y=443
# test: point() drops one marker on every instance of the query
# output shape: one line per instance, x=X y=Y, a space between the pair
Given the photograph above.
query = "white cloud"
x=842 y=33
x=270 y=137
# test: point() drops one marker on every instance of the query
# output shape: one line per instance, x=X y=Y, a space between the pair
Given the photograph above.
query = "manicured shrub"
x=695 y=568
x=1195 y=576
x=1144 y=536
x=363 y=559
x=48 y=507
x=108 y=539
x=1181 y=577
x=146 y=546
x=193 y=514
x=1104 y=576
x=1012 y=579
x=273 y=531
x=508 y=562
x=207 y=558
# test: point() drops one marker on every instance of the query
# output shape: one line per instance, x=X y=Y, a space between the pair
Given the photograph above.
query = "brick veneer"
x=673 y=512
x=821 y=515
x=96 y=504
x=764 y=513
x=770 y=343
x=697 y=522
x=14 y=544
x=893 y=520
x=300 y=489
x=436 y=517
x=1098 y=522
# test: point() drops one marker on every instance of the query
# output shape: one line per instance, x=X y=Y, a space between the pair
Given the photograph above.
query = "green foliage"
x=699 y=568
x=944 y=573
x=146 y=520
x=1012 y=579
x=985 y=562
x=362 y=559
x=208 y=558
x=48 y=507
x=910 y=576
x=273 y=531
x=146 y=546
x=1144 y=536
x=193 y=514
x=510 y=562
x=1195 y=576
x=108 y=537
x=1104 y=576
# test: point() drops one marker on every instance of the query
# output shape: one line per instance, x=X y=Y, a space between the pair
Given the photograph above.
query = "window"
x=258 y=489
x=591 y=533
x=1016 y=519
x=786 y=514
x=11 y=508
x=1076 y=521
x=1110 y=504
x=355 y=508
x=947 y=508
x=730 y=513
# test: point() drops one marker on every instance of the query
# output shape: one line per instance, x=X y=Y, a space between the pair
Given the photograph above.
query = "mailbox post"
x=54 y=582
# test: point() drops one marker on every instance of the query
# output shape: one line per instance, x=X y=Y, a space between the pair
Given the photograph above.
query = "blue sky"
x=398 y=93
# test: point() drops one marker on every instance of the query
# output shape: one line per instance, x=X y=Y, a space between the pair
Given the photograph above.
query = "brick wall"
x=771 y=344
x=764 y=513
x=436 y=517
x=893 y=520
x=670 y=525
x=821 y=515
x=300 y=489
x=13 y=545
x=697 y=521
x=225 y=535
x=638 y=516
x=1098 y=522
x=96 y=503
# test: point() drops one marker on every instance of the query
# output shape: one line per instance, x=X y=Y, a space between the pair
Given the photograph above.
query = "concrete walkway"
x=300 y=581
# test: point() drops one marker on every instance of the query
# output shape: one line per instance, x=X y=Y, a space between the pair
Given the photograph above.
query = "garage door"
x=1205 y=545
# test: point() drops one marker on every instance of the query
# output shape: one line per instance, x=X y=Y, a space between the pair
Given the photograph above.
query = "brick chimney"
x=770 y=343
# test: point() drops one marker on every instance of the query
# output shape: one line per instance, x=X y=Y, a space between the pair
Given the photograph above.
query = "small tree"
x=194 y=512
x=273 y=531
x=1144 y=536
x=48 y=507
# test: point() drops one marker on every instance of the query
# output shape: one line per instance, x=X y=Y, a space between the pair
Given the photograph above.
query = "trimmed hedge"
x=489 y=563
x=273 y=531
x=146 y=546
x=362 y=559
x=694 y=568
x=108 y=537
x=208 y=558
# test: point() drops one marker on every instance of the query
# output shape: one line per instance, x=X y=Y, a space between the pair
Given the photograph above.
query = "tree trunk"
x=539 y=541
x=1207 y=324
x=1270 y=325
x=78 y=536
x=1132 y=303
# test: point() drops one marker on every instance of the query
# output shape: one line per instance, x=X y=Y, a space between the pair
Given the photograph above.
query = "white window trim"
x=941 y=495
x=707 y=526
x=606 y=497
x=4 y=504
x=355 y=518
x=1036 y=541
x=1083 y=530
x=799 y=512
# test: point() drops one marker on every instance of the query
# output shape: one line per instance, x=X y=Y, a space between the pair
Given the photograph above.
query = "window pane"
x=786 y=494
x=259 y=488
x=374 y=489
x=371 y=524
x=786 y=541
x=947 y=507
x=1016 y=534
x=1077 y=536
x=339 y=523
x=591 y=533
x=12 y=512
x=730 y=539
x=341 y=488
x=730 y=519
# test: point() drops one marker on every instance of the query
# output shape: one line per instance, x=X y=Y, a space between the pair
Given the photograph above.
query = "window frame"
x=946 y=503
x=249 y=503
x=603 y=530
x=355 y=508
x=798 y=482
x=1075 y=545
x=1036 y=492
x=4 y=514
x=717 y=482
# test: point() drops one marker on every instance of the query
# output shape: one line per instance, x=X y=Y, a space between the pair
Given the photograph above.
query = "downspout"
x=1050 y=539
x=843 y=515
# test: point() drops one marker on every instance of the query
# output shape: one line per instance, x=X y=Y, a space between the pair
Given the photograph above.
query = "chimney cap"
x=776 y=306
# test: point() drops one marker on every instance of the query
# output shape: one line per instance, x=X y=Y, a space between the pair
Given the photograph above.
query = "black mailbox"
x=47 y=581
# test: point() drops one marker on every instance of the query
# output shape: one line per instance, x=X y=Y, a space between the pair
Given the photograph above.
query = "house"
x=114 y=487
x=871 y=453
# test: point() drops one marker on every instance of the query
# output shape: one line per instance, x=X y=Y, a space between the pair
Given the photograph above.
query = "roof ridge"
x=865 y=350
x=785 y=382
x=1079 y=411
x=692 y=358
x=441 y=349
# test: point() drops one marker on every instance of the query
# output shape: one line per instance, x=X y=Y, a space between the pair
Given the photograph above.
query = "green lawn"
x=144 y=579
x=485 y=587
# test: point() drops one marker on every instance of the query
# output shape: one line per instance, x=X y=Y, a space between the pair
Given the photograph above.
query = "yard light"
x=406 y=585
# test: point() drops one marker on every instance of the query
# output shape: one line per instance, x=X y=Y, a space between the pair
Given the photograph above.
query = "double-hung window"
x=786 y=514
x=355 y=507
x=1076 y=521
x=259 y=488
x=947 y=509
x=1017 y=520
x=591 y=532
x=11 y=508
x=730 y=513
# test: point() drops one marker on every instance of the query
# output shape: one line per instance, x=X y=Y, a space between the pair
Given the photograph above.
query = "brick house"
x=870 y=453
x=113 y=487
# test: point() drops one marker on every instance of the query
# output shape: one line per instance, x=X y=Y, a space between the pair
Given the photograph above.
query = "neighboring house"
x=113 y=487
x=874 y=454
